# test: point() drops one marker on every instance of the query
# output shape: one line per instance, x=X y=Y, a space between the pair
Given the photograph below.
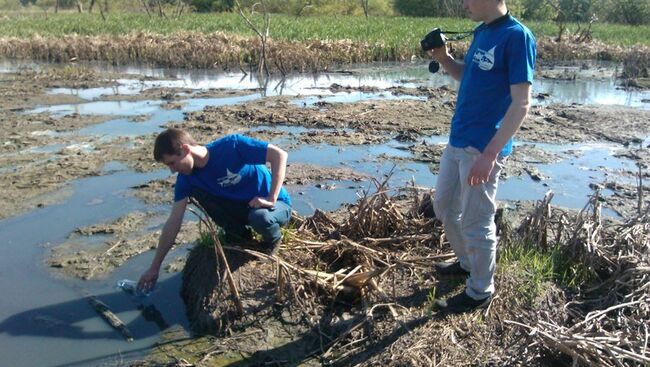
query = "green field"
x=391 y=31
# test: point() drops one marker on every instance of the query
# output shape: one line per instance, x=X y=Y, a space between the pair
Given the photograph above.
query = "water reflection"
x=409 y=75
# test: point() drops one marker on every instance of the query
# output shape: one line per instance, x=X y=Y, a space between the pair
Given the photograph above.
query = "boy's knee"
x=439 y=208
x=260 y=218
x=444 y=212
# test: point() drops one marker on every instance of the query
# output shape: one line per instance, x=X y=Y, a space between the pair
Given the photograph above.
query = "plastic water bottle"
x=131 y=287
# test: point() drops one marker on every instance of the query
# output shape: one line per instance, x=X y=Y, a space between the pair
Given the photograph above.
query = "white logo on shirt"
x=229 y=179
x=484 y=59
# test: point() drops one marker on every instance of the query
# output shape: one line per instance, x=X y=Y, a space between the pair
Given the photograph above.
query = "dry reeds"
x=324 y=262
x=610 y=319
x=233 y=52
x=369 y=260
x=193 y=50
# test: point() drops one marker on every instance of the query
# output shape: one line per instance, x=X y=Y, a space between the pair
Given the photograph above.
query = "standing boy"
x=493 y=100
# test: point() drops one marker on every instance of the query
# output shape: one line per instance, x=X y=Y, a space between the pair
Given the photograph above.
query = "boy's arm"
x=278 y=160
x=517 y=111
x=165 y=243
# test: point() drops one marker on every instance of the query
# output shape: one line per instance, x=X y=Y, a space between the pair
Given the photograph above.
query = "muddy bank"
x=40 y=152
x=94 y=251
x=301 y=320
x=408 y=119
x=37 y=177
x=372 y=118
x=169 y=94
x=583 y=123
x=28 y=88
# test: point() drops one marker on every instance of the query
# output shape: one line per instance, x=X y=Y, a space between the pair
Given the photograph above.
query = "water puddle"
x=589 y=92
x=40 y=310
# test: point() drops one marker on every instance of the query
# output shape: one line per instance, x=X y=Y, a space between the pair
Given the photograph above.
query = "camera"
x=433 y=39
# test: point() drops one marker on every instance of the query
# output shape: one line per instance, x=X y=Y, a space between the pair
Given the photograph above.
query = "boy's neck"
x=201 y=155
x=496 y=13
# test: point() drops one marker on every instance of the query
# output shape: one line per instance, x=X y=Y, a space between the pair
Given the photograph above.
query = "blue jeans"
x=468 y=215
x=233 y=216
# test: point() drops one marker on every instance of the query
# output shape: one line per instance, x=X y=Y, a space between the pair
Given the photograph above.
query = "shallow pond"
x=45 y=320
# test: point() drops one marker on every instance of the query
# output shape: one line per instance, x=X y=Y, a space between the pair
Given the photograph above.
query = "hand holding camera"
x=436 y=39
x=433 y=40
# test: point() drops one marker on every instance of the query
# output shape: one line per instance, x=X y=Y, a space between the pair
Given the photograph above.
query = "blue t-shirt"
x=235 y=170
x=502 y=53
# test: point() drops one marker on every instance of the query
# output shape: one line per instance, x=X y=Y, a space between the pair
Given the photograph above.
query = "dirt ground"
x=42 y=154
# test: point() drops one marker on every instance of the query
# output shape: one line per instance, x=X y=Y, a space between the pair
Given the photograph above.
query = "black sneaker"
x=273 y=248
x=461 y=303
x=446 y=268
x=242 y=236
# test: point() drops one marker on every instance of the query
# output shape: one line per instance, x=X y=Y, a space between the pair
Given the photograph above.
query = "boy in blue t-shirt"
x=493 y=100
x=229 y=178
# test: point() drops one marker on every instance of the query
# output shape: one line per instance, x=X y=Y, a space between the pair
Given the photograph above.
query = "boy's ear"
x=185 y=148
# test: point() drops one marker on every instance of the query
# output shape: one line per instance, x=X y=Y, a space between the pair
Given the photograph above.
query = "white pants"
x=468 y=215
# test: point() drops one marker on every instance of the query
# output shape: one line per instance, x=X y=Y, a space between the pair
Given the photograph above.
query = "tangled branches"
x=611 y=318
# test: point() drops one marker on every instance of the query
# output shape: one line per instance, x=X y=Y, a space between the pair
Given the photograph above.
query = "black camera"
x=433 y=39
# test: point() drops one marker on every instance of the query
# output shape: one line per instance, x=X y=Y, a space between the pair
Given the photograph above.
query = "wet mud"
x=38 y=175
x=93 y=252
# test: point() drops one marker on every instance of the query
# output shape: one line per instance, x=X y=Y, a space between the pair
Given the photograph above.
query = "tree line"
x=633 y=12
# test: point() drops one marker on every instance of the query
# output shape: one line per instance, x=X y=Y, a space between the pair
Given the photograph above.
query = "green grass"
x=394 y=31
x=535 y=269
x=431 y=298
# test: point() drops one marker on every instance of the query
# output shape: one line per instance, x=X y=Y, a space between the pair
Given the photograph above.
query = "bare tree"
x=90 y=7
x=263 y=36
x=161 y=13
x=303 y=7
x=584 y=34
x=145 y=7
x=559 y=19
x=364 y=4
x=180 y=6
x=80 y=7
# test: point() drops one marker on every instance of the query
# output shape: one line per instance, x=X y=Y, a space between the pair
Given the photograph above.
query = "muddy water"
x=49 y=314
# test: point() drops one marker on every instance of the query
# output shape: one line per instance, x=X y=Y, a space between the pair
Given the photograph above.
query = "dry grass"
x=608 y=323
x=192 y=50
x=232 y=52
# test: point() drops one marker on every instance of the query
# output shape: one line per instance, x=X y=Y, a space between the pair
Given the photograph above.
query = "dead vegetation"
x=360 y=289
x=608 y=323
x=193 y=50
x=232 y=52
